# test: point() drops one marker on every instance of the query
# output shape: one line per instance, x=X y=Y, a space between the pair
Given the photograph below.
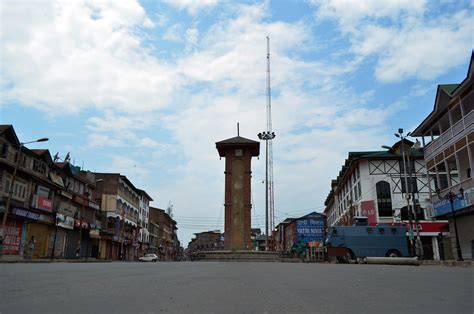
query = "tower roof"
x=238 y=141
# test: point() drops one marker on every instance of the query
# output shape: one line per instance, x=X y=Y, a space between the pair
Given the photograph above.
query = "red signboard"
x=12 y=238
x=368 y=210
x=44 y=203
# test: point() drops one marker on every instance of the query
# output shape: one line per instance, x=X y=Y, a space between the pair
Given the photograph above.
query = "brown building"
x=206 y=241
x=167 y=243
x=120 y=203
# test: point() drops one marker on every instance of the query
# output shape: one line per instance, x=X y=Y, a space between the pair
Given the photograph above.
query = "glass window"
x=384 y=199
x=414 y=186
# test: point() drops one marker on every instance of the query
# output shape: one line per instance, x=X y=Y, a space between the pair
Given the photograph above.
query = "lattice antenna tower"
x=270 y=143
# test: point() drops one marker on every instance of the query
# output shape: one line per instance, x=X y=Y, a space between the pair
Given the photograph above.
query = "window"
x=384 y=199
x=4 y=150
x=414 y=186
x=39 y=166
x=410 y=168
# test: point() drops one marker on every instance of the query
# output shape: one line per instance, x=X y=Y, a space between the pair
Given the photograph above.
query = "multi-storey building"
x=373 y=184
x=120 y=203
x=447 y=134
x=168 y=243
x=143 y=222
x=50 y=202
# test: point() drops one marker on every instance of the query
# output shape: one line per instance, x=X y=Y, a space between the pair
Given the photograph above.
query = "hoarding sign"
x=308 y=230
x=368 y=210
x=44 y=203
x=12 y=238
x=65 y=222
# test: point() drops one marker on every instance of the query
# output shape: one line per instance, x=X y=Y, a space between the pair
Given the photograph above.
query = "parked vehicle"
x=361 y=240
x=148 y=258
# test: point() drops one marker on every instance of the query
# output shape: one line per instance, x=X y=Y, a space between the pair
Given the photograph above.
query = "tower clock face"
x=238 y=153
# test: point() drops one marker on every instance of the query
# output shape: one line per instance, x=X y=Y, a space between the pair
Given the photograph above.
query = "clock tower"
x=238 y=152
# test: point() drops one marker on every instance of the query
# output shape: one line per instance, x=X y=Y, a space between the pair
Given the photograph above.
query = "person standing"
x=31 y=247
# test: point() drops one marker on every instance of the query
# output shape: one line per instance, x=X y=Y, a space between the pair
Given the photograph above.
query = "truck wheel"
x=349 y=256
x=393 y=253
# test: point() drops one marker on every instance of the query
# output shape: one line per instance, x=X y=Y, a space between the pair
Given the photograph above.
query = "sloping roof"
x=8 y=128
x=142 y=192
x=449 y=88
x=238 y=141
x=444 y=94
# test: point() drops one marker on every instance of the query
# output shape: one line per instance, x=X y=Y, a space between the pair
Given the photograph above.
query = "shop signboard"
x=310 y=228
x=56 y=179
x=64 y=221
x=26 y=214
x=43 y=203
x=443 y=206
x=67 y=209
x=94 y=233
x=12 y=238
x=77 y=224
x=94 y=205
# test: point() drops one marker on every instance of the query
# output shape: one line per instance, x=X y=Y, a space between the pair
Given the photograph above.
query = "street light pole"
x=266 y=136
x=451 y=197
x=10 y=190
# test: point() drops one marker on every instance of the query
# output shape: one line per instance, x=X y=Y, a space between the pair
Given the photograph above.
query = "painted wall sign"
x=368 y=210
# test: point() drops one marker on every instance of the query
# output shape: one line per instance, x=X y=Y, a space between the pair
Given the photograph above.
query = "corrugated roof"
x=448 y=88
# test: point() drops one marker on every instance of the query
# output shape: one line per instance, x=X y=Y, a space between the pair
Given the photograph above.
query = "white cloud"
x=192 y=6
x=174 y=33
x=403 y=37
x=69 y=55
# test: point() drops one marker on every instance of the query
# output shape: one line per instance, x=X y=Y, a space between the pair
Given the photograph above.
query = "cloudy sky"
x=146 y=88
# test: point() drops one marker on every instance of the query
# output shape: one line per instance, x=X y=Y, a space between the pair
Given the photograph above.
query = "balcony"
x=450 y=136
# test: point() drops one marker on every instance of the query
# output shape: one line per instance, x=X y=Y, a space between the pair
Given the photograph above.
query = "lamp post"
x=450 y=196
x=266 y=136
x=11 y=187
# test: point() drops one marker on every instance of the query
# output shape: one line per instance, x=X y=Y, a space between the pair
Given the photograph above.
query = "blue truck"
x=362 y=240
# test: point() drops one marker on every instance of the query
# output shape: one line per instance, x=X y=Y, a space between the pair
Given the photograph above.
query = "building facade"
x=120 y=204
x=447 y=134
x=387 y=190
x=144 y=223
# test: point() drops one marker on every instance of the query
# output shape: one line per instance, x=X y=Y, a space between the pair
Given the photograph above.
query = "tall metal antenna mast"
x=268 y=136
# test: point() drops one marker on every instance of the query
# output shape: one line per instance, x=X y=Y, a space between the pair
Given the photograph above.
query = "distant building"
x=120 y=204
x=448 y=137
x=299 y=231
x=206 y=241
x=143 y=222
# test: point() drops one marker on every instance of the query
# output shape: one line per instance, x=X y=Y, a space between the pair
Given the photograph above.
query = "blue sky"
x=146 y=88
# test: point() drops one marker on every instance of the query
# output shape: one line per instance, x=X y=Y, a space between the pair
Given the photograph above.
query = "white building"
x=372 y=184
x=143 y=221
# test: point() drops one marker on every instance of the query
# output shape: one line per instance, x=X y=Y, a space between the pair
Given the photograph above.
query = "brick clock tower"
x=238 y=152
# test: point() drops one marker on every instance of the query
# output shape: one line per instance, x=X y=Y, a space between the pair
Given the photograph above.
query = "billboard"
x=310 y=228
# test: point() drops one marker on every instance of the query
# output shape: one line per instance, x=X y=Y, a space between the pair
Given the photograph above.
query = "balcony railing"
x=450 y=135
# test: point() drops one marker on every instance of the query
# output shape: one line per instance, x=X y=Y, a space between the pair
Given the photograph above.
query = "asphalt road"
x=213 y=287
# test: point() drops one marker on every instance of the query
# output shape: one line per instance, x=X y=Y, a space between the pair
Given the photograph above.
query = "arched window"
x=384 y=200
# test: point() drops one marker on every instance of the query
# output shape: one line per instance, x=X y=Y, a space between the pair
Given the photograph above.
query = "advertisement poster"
x=12 y=238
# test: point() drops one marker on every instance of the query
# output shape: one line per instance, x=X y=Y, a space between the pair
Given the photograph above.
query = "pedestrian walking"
x=31 y=247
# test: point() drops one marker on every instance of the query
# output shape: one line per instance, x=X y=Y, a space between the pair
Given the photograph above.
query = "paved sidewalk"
x=18 y=259
x=448 y=263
